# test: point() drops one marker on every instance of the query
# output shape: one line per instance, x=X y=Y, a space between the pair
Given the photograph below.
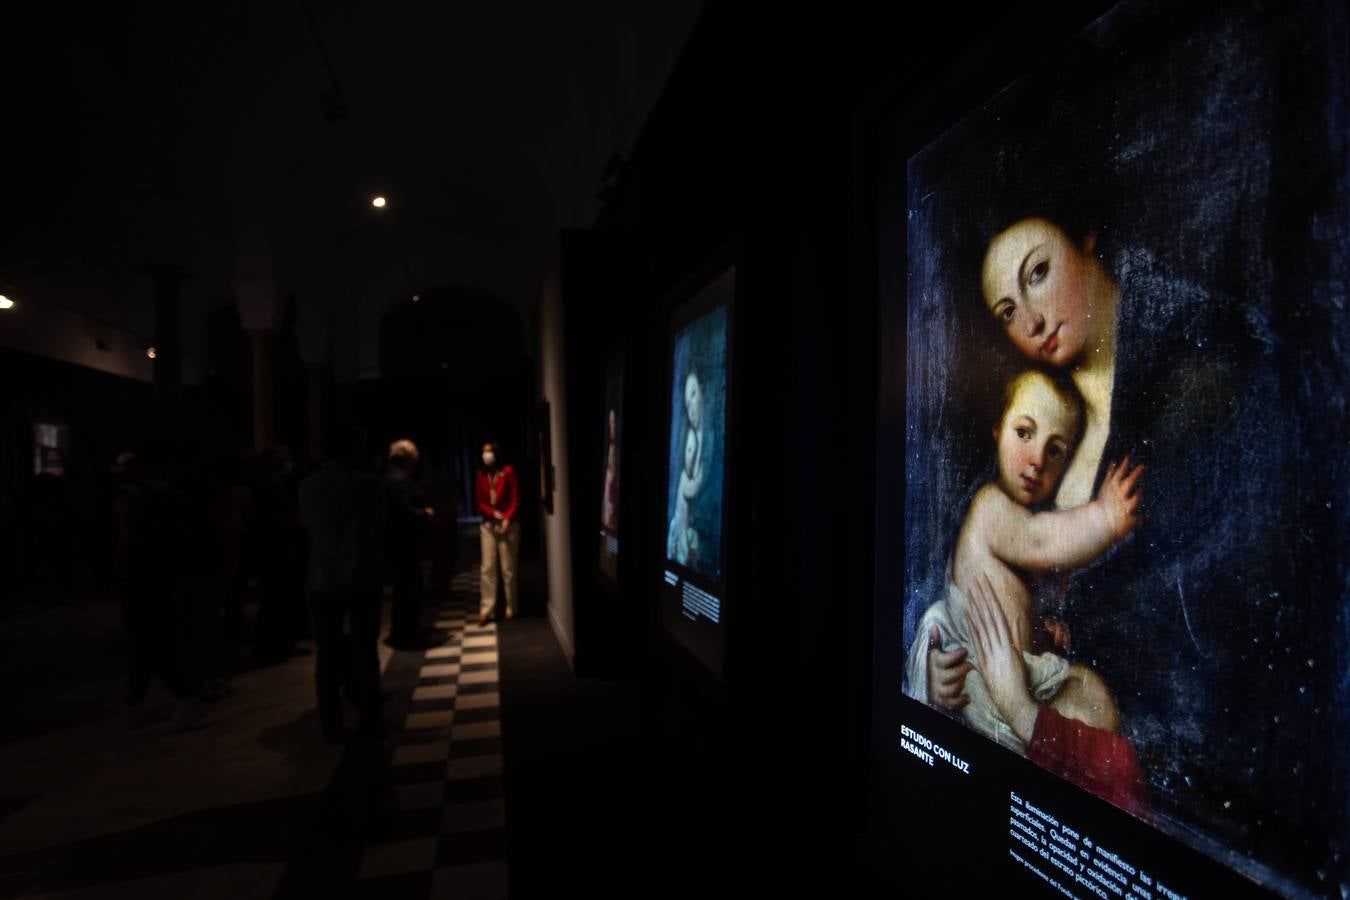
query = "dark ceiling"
x=245 y=139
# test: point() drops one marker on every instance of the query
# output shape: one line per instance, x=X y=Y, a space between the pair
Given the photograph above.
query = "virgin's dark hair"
x=1075 y=203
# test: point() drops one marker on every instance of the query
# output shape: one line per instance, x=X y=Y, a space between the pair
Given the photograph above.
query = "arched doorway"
x=454 y=372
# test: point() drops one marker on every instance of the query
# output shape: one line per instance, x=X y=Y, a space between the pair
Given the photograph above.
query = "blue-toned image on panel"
x=697 y=442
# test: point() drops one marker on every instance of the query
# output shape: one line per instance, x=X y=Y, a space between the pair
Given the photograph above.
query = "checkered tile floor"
x=446 y=808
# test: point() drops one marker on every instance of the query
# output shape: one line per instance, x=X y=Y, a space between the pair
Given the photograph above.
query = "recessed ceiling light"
x=150 y=353
x=416 y=297
x=379 y=202
x=5 y=302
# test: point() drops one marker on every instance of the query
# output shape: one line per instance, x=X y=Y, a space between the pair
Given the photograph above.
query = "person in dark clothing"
x=236 y=515
x=280 y=559
x=151 y=551
x=408 y=515
x=442 y=493
x=343 y=510
x=202 y=540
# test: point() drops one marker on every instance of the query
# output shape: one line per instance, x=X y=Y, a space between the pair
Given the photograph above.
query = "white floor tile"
x=478 y=701
x=476 y=731
x=423 y=721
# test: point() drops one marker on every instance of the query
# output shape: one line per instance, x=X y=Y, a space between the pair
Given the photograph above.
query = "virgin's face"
x=693 y=400
x=1045 y=291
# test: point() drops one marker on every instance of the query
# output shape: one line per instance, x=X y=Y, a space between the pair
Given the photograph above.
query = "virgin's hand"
x=999 y=661
x=946 y=674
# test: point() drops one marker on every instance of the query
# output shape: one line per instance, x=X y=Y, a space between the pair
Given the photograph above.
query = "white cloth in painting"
x=1046 y=672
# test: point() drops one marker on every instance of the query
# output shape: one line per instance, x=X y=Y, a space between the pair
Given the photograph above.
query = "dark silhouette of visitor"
x=279 y=556
x=442 y=492
x=408 y=516
x=343 y=510
x=151 y=554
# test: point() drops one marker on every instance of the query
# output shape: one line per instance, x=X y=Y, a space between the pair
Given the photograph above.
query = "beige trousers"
x=503 y=547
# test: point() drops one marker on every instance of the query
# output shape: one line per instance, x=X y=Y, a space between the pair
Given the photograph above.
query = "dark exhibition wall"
x=751 y=169
x=767 y=169
x=64 y=426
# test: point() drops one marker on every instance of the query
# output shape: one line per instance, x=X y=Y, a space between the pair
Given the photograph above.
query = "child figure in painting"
x=1011 y=532
x=682 y=539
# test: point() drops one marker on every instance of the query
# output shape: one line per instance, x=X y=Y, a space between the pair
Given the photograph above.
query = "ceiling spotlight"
x=379 y=202
x=150 y=353
x=416 y=297
x=5 y=302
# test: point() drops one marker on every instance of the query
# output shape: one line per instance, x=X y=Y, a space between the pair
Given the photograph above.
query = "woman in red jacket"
x=497 y=496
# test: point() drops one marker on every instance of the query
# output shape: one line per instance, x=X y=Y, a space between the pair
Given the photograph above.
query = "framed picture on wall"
x=544 y=447
x=610 y=473
x=696 y=549
x=1113 y=507
x=51 y=447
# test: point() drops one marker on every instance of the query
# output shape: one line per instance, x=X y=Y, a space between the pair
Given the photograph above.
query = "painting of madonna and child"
x=697 y=438
x=1127 y=466
x=609 y=495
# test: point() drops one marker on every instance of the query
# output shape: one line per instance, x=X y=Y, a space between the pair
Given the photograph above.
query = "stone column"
x=312 y=332
x=315 y=373
x=262 y=389
x=168 y=344
x=257 y=313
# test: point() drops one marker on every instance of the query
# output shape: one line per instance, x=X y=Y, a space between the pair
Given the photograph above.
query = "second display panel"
x=694 y=581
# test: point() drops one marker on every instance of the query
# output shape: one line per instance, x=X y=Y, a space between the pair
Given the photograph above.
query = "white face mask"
x=489 y=459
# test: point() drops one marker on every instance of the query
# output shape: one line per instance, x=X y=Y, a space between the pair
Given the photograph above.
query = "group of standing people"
x=195 y=534
x=358 y=529
x=191 y=530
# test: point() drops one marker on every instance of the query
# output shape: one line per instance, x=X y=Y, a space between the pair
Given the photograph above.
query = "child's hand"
x=1119 y=498
x=946 y=674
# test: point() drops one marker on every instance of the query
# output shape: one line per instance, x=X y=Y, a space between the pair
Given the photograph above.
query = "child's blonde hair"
x=1063 y=387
